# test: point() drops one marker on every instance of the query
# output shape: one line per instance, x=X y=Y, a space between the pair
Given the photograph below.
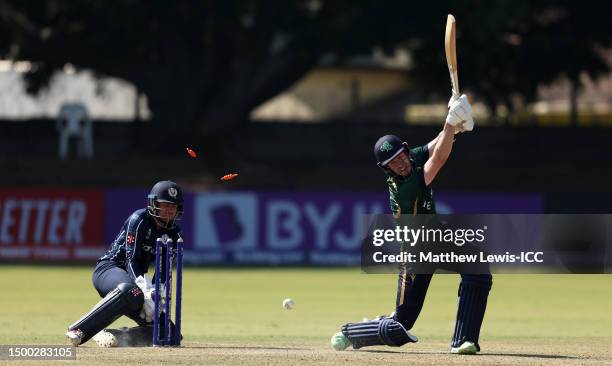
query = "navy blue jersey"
x=134 y=248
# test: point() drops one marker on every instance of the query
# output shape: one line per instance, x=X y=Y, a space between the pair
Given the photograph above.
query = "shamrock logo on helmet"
x=172 y=192
x=386 y=146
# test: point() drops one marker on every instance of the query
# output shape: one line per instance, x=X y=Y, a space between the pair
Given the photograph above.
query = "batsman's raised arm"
x=459 y=119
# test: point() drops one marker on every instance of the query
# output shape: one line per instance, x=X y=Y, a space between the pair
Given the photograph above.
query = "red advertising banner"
x=51 y=224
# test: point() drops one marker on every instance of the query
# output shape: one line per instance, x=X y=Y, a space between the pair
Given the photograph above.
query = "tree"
x=509 y=48
x=204 y=65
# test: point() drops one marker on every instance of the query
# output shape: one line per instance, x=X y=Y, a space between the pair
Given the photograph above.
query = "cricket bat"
x=451 y=53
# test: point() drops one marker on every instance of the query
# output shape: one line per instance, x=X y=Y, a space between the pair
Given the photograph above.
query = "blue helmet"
x=168 y=192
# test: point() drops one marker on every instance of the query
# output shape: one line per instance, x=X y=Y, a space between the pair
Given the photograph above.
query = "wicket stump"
x=164 y=334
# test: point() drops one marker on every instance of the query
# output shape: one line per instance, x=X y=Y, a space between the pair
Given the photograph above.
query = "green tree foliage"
x=204 y=65
x=509 y=48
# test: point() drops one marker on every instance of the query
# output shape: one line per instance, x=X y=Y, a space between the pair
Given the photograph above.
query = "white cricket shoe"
x=466 y=348
x=75 y=337
x=106 y=339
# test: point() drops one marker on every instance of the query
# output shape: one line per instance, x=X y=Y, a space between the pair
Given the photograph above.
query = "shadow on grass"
x=521 y=355
x=532 y=355
x=480 y=355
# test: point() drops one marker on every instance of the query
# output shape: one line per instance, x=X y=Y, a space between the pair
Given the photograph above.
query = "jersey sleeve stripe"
x=127 y=251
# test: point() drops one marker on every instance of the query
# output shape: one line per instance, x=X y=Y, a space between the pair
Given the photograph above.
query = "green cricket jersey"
x=411 y=196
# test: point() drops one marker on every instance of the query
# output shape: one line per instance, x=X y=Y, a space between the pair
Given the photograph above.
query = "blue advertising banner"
x=488 y=203
x=308 y=228
x=289 y=228
x=281 y=228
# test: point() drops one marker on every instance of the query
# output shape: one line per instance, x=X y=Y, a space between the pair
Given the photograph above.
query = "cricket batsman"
x=119 y=275
x=410 y=174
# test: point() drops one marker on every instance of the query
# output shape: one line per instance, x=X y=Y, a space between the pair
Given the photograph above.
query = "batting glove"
x=460 y=114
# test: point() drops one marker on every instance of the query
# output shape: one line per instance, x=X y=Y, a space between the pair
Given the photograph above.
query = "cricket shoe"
x=340 y=342
x=75 y=337
x=106 y=339
x=466 y=348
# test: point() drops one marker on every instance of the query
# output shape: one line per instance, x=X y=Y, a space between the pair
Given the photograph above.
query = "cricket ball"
x=288 y=304
x=339 y=342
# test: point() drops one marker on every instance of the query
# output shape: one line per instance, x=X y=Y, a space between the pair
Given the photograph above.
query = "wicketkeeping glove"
x=148 y=308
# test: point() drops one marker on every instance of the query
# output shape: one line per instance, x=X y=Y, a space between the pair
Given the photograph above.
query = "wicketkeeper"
x=410 y=175
x=119 y=275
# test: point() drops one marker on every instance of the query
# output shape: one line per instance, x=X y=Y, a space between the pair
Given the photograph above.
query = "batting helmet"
x=387 y=148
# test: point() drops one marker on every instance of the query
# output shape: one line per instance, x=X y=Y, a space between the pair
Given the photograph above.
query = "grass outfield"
x=235 y=316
